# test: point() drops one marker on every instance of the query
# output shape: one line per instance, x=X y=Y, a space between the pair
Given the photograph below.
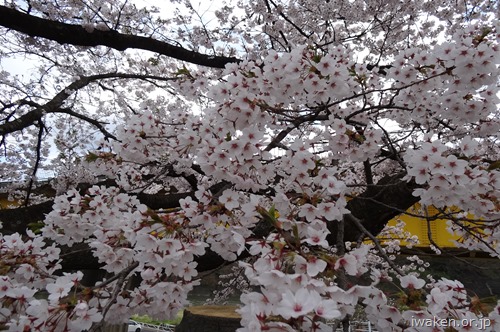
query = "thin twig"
x=381 y=250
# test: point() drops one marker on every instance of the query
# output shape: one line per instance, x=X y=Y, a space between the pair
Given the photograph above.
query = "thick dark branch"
x=368 y=172
x=169 y=201
x=64 y=33
x=37 y=161
x=55 y=104
x=94 y=122
x=17 y=220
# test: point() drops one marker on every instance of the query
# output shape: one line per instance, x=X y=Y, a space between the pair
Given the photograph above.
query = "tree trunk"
x=209 y=318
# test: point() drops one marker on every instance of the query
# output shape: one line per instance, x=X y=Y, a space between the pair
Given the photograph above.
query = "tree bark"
x=209 y=318
x=64 y=33
x=376 y=206
x=17 y=220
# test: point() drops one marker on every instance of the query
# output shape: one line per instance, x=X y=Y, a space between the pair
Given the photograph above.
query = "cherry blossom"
x=280 y=134
x=412 y=282
x=298 y=304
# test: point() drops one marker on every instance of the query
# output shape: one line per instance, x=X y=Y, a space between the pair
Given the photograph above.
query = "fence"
x=161 y=327
x=357 y=327
x=354 y=327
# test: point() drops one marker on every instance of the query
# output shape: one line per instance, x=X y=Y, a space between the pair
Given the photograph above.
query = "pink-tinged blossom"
x=349 y=263
x=436 y=300
x=468 y=146
x=230 y=199
x=327 y=309
x=312 y=266
x=84 y=317
x=189 y=206
x=148 y=274
x=411 y=282
x=5 y=285
x=239 y=241
x=315 y=266
x=329 y=211
x=40 y=310
x=391 y=314
x=22 y=294
x=303 y=161
x=264 y=302
x=186 y=271
x=317 y=237
x=273 y=277
x=258 y=248
x=298 y=304
x=60 y=288
x=308 y=211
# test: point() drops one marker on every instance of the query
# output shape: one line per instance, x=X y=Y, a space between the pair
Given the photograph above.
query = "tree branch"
x=64 y=33
x=55 y=104
x=37 y=161
x=359 y=224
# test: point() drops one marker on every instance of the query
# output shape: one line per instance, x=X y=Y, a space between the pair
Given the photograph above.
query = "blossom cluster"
x=447 y=299
x=299 y=288
x=126 y=238
x=450 y=181
x=28 y=270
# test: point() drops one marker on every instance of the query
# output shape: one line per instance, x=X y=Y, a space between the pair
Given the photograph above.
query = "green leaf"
x=91 y=157
x=269 y=216
x=183 y=71
x=494 y=165
x=153 y=61
x=36 y=227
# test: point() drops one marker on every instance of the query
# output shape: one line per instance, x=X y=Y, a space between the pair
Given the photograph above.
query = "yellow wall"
x=419 y=227
x=5 y=203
